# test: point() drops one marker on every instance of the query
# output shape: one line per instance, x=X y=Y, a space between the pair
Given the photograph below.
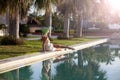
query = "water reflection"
x=101 y=53
x=88 y=64
x=85 y=68
x=19 y=74
x=46 y=70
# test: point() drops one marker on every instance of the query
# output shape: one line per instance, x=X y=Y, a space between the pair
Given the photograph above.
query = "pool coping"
x=21 y=61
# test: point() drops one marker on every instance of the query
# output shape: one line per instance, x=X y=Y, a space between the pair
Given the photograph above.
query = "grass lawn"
x=34 y=46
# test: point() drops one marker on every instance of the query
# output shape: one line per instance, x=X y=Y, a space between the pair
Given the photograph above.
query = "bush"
x=10 y=40
x=62 y=37
x=3 y=26
x=24 y=30
x=58 y=31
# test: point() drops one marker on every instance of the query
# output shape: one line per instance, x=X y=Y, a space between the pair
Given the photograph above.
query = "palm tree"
x=66 y=8
x=83 y=11
x=58 y=21
x=77 y=8
x=48 y=6
x=16 y=9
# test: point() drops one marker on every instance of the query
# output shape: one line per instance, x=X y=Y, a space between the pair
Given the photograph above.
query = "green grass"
x=71 y=41
x=34 y=46
x=33 y=36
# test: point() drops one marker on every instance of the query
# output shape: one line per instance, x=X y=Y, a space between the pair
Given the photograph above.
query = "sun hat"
x=45 y=30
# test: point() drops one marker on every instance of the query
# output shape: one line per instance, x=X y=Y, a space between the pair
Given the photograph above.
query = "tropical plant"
x=58 y=22
x=66 y=8
x=83 y=9
x=24 y=30
x=48 y=6
x=80 y=9
x=10 y=40
x=15 y=9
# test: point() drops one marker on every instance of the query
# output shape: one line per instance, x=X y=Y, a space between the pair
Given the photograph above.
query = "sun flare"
x=115 y=4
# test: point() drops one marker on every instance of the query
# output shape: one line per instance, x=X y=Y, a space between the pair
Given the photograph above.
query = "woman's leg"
x=62 y=46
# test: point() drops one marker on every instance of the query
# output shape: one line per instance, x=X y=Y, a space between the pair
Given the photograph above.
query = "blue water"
x=101 y=62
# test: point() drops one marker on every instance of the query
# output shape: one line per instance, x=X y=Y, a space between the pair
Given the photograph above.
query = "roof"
x=34 y=21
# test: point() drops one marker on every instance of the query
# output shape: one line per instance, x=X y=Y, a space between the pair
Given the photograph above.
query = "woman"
x=47 y=45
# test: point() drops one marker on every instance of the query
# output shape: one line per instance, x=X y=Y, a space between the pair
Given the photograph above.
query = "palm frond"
x=46 y=4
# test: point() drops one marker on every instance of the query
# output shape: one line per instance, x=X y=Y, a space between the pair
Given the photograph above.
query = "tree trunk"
x=48 y=21
x=66 y=26
x=7 y=22
x=17 y=23
x=14 y=24
x=78 y=31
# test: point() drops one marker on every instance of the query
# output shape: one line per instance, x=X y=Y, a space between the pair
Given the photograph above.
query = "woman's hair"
x=44 y=38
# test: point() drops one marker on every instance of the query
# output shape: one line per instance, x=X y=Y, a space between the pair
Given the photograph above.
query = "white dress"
x=49 y=46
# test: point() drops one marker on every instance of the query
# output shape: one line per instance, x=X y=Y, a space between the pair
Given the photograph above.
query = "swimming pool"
x=101 y=62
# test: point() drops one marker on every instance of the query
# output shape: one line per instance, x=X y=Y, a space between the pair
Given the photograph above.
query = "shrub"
x=10 y=40
x=24 y=30
x=3 y=26
x=62 y=37
x=58 y=31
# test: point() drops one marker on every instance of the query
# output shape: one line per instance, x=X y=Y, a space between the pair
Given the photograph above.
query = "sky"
x=115 y=4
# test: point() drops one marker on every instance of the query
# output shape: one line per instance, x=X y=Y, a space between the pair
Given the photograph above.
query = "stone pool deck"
x=21 y=61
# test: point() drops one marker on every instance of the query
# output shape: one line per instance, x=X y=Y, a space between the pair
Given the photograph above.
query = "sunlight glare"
x=115 y=4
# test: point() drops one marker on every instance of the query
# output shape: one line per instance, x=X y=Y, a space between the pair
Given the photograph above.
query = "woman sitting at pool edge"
x=47 y=45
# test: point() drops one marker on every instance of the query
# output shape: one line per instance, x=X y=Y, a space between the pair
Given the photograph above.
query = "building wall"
x=32 y=29
x=2 y=32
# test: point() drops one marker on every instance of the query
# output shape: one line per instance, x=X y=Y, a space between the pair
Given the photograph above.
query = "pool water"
x=101 y=62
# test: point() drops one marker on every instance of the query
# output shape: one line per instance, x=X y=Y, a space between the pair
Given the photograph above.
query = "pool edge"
x=18 y=62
